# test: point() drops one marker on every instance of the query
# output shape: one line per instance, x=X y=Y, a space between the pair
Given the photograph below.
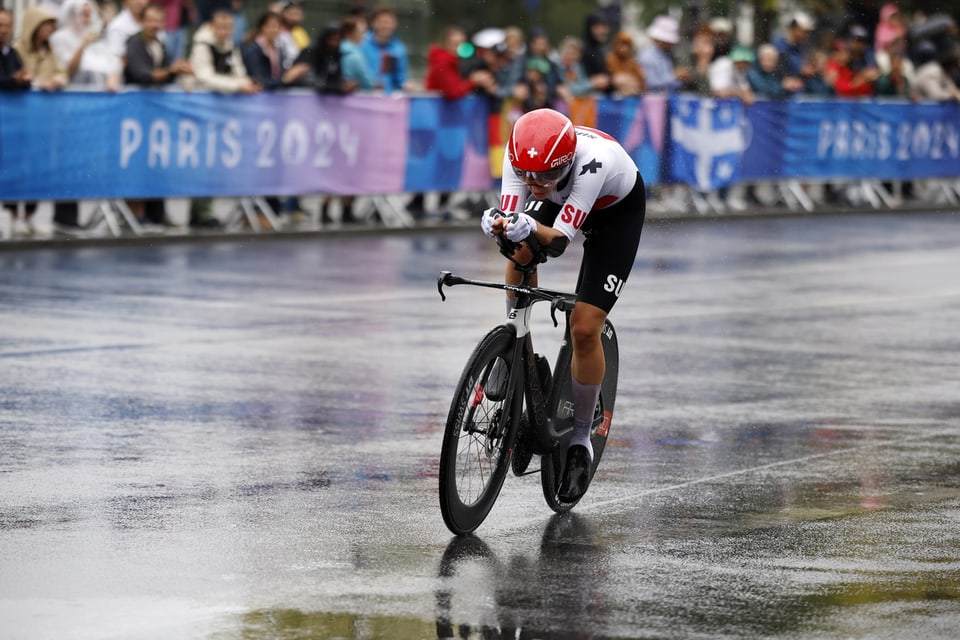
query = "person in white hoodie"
x=217 y=64
x=80 y=49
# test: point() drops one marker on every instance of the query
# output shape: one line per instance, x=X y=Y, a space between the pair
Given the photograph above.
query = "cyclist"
x=581 y=179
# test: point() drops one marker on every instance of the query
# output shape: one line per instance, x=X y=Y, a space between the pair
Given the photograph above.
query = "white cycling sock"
x=585 y=398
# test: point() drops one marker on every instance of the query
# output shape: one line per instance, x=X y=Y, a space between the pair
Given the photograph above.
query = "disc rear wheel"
x=561 y=404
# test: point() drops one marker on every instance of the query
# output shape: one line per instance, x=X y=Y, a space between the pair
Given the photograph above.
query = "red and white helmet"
x=541 y=146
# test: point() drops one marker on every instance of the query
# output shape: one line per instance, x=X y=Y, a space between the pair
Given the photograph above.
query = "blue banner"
x=166 y=144
x=62 y=146
x=448 y=145
x=640 y=126
x=707 y=141
x=763 y=157
x=876 y=140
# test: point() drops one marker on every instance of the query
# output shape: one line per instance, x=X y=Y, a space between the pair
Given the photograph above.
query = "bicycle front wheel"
x=479 y=434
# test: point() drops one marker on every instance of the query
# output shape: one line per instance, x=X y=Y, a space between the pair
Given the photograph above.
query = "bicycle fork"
x=540 y=436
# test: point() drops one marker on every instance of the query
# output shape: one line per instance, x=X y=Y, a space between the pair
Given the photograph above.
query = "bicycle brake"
x=553 y=311
x=442 y=280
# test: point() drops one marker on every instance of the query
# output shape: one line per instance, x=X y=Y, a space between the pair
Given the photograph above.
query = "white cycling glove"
x=520 y=227
x=486 y=220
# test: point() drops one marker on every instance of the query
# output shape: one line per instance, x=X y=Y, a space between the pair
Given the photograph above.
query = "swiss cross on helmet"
x=541 y=146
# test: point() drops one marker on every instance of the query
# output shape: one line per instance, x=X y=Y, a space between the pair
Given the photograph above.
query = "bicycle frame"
x=544 y=438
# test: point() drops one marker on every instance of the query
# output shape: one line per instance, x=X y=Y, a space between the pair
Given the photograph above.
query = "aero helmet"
x=541 y=146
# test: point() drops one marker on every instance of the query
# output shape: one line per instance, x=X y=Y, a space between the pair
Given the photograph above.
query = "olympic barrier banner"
x=715 y=143
x=168 y=144
x=640 y=126
x=877 y=140
x=153 y=144
x=707 y=141
x=765 y=140
x=448 y=145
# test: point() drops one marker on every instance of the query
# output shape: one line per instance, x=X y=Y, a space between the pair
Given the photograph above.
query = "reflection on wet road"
x=240 y=439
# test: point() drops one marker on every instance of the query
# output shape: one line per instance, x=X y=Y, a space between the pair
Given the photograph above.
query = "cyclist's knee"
x=585 y=342
x=585 y=328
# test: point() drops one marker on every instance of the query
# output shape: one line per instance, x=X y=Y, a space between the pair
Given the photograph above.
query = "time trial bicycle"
x=509 y=406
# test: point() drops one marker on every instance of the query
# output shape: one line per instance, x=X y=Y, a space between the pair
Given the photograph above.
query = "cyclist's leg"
x=587 y=369
x=609 y=252
x=586 y=321
x=608 y=255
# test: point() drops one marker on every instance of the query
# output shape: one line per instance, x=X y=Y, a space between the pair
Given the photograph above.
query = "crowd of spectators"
x=88 y=46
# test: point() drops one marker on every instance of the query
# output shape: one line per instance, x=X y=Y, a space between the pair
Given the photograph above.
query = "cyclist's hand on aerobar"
x=516 y=227
x=489 y=224
x=520 y=226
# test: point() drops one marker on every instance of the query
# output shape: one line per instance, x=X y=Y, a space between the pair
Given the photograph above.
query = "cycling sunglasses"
x=543 y=178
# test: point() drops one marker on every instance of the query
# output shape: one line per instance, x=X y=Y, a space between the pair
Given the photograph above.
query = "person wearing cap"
x=656 y=60
x=490 y=55
x=794 y=44
x=292 y=13
x=290 y=37
x=728 y=74
x=861 y=53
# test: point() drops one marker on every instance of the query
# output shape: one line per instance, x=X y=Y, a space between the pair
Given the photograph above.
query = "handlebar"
x=559 y=300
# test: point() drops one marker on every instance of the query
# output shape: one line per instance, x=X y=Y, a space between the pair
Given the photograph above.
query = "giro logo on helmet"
x=562 y=160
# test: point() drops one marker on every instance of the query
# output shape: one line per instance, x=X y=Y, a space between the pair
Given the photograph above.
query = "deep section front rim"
x=477 y=441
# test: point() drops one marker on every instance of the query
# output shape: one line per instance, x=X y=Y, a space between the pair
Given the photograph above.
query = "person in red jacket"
x=443 y=68
x=846 y=82
x=443 y=75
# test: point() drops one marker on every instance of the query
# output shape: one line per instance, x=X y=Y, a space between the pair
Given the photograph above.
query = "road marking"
x=771 y=465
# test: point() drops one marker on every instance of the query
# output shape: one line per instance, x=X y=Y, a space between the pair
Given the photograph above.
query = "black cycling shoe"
x=576 y=474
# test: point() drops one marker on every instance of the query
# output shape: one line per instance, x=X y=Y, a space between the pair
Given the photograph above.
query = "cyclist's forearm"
x=551 y=237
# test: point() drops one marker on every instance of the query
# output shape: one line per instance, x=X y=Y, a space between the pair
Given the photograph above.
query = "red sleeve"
x=845 y=85
x=455 y=86
x=446 y=79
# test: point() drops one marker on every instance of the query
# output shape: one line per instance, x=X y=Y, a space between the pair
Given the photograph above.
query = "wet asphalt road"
x=240 y=439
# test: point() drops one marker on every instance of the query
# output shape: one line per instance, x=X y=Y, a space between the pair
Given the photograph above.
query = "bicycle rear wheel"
x=481 y=426
x=551 y=465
